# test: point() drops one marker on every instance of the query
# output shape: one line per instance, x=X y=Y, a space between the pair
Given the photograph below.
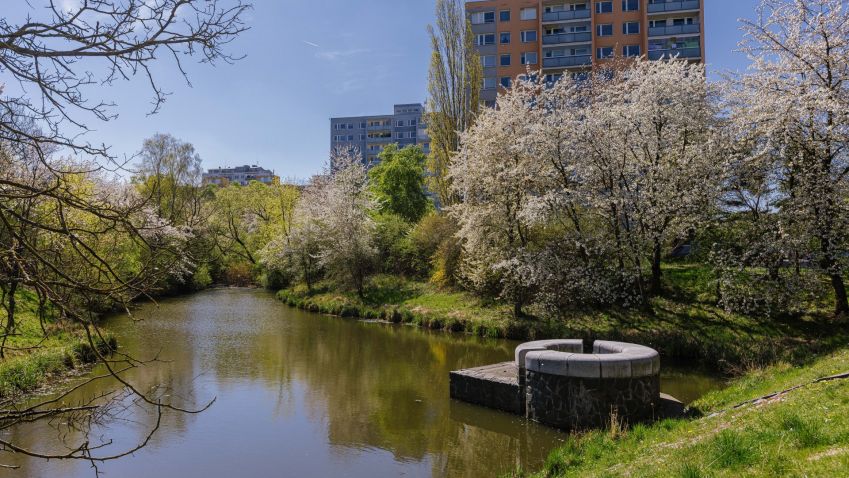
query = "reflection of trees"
x=375 y=386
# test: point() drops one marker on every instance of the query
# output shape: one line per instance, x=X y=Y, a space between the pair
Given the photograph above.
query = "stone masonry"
x=555 y=383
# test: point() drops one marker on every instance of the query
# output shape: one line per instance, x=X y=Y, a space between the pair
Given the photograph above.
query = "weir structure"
x=556 y=383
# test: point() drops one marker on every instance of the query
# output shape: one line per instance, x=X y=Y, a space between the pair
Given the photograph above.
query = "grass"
x=804 y=432
x=684 y=323
x=33 y=359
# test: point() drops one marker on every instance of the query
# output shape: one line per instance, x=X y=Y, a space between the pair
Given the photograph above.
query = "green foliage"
x=398 y=182
x=201 y=279
x=394 y=249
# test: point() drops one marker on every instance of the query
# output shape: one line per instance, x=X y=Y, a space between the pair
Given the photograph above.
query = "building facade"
x=241 y=175
x=561 y=37
x=370 y=134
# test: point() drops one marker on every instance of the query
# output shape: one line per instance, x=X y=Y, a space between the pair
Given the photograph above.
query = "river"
x=302 y=395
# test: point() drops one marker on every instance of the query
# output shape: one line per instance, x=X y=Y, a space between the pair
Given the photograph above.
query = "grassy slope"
x=684 y=323
x=802 y=433
x=30 y=359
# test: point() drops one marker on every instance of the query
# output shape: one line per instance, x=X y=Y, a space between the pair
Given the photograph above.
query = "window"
x=529 y=58
x=630 y=5
x=505 y=60
x=604 y=30
x=604 y=7
x=631 y=50
x=631 y=28
x=505 y=81
x=528 y=14
x=529 y=36
x=479 y=18
x=489 y=83
x=489 y=103
x=411 y=135
x=363 y=125
x=485 y=39
x=362 y=137
x=505 y=38
x=488 y=61
x=400 y=123
x=504 y=15
x=604 y=52
x=413 y=122
x=552 y=78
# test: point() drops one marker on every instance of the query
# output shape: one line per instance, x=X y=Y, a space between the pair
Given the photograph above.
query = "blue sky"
x=306 y=62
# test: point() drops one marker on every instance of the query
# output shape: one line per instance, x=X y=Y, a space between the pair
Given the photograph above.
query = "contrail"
x=311 y=44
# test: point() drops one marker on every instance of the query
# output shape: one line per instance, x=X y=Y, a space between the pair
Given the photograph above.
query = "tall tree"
x=398 y=182
x=792 y=112
x=455 y=82
x=88 y=241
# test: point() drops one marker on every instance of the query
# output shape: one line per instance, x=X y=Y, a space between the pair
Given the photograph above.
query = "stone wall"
x=577 y=403
x=553 y=382
x=494 y=386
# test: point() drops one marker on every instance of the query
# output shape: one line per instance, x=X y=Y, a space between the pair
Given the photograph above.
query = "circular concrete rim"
x=608 y=359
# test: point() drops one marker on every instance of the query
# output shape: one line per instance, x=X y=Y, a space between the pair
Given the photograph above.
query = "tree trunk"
x=10 y=315
x=655 y=268
x=517 y=309
x=841 y=302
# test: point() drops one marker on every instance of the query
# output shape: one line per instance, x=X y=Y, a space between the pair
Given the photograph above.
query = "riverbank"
x=802 y=432
x=38 y=354
x=682 y=324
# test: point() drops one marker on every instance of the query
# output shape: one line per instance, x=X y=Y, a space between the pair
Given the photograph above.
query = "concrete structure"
x=370 y=134
x=573 y=36
x=555 y=383
x=241 y=175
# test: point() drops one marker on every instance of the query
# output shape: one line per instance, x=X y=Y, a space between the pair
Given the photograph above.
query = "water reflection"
x=299 y=394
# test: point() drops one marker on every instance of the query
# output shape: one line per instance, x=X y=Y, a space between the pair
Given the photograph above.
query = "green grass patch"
x=33 y=358
x=804 y=432
x=683 y=324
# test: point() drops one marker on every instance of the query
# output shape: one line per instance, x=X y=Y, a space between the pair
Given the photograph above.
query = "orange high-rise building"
x=561 y=37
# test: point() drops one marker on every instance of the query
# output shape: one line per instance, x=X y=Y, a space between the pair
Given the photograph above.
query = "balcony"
x=674 y=6
x=582 y=37
x=565 y=16
x=675 y=52
x=675 y=30
x=567 y=61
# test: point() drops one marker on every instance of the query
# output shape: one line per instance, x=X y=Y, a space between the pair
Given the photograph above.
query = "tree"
x=657 y=121
x=342 y=205
x=82 y=240
x=397 y=181
x=569 y=189
x=493 y=175
x=791 y=113
x=170 y=172
x=455 y=82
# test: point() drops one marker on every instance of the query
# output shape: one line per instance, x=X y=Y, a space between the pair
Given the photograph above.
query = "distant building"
x=370 y=134
x=241 y=175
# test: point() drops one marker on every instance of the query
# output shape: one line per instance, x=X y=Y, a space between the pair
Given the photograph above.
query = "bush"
x=395 y=250
x=201 y=279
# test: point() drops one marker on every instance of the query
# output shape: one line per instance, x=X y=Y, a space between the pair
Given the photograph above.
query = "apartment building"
x=370 y=134
x=572 y=36
x=241 y=175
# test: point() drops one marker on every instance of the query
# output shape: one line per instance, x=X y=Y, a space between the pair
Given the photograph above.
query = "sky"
x=306 y=62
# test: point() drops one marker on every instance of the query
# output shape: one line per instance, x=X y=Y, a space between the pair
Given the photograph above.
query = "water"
x=302 y=395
